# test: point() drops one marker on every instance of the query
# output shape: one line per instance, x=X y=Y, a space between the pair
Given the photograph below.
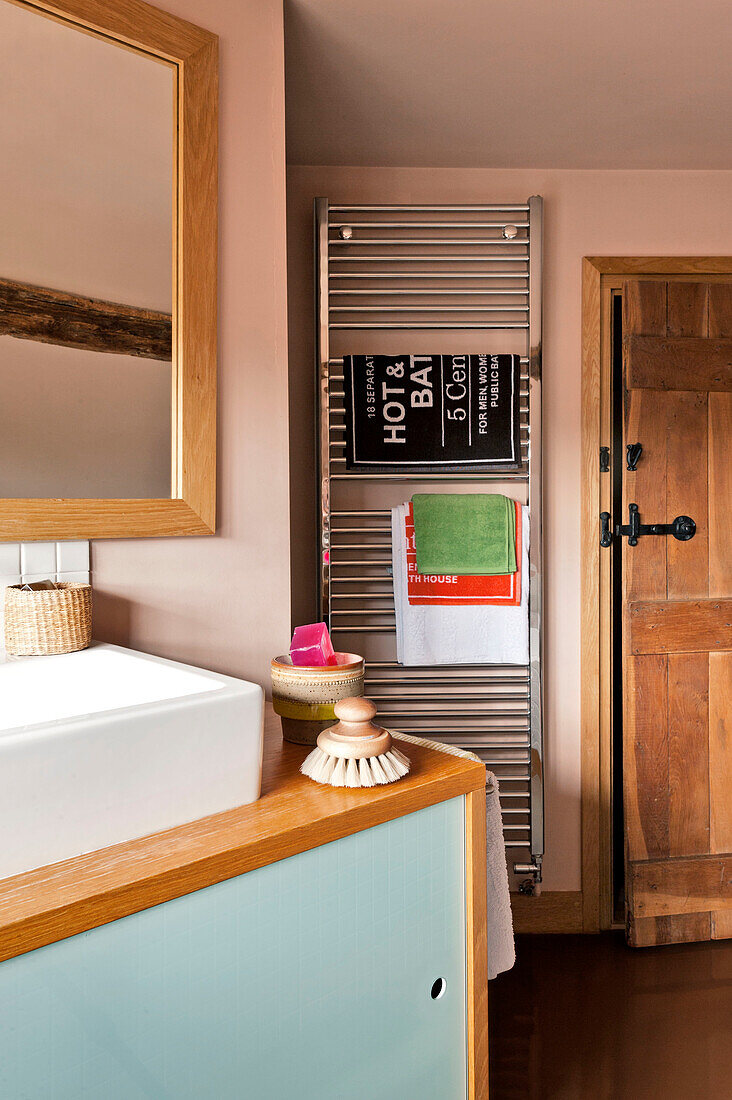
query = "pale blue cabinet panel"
x=310 y=978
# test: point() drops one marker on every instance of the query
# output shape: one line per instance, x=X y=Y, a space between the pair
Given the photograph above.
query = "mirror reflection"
x=86 y=263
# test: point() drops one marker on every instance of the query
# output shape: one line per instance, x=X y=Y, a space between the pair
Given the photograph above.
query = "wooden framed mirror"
x=108 y=252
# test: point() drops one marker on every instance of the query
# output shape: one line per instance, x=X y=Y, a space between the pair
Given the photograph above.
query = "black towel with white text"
x=431 y=411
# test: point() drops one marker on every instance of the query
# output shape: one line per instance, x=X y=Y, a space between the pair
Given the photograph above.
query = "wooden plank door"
x=677 y=613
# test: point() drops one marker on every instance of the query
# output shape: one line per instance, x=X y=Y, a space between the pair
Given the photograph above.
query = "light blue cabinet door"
x=310 y=978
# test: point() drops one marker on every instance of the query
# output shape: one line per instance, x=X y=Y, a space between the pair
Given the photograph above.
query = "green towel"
x=464 y=534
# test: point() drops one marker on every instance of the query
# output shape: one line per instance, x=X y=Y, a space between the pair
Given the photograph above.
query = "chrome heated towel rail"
x=430 y=279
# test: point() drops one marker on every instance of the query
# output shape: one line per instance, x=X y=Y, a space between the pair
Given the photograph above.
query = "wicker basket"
x=55 y=620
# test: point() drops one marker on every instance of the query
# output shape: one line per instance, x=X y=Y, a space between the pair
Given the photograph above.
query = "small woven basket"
x=54 y=620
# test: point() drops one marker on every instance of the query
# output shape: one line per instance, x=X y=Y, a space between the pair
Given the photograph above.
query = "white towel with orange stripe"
x=458 y=635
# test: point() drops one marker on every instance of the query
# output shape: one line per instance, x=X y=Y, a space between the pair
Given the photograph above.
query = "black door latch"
x=682 y=528
x=633 y=453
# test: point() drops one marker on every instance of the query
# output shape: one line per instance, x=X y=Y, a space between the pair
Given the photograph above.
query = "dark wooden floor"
x=587 y=1018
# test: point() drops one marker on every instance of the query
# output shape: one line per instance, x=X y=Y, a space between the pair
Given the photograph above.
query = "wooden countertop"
x=293 y=815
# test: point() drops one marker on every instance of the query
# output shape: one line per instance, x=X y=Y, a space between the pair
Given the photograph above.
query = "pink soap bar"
x=311 y=645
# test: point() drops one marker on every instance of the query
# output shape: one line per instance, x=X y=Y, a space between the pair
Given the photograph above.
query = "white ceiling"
x=510 y=83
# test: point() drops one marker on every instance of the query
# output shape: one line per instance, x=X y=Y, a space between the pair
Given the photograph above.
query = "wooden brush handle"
x=355 y=735
x=356 y=716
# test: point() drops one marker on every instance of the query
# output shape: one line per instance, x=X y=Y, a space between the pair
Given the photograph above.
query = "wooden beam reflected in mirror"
x=90 y=324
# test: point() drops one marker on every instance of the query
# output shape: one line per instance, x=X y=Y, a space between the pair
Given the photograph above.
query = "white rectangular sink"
x=106 y=745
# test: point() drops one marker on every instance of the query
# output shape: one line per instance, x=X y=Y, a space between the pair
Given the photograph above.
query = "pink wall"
x=79 y=423
x=587 y=213
x=224 y=602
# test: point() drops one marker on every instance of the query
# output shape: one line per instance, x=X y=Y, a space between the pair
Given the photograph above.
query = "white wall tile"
x=72 y=557
x=37 y=558
x=74 y=578
x=9 y=559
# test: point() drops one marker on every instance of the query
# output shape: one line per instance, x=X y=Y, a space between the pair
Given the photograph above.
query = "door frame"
x=601 y=277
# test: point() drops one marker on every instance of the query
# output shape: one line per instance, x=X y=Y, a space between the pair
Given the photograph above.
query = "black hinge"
x=605 y=535
x=604 y=460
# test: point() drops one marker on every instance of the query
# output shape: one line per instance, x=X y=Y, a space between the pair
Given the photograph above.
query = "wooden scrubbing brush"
x=355 y=752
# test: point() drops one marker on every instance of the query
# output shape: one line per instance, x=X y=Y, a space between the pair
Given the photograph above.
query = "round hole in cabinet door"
x=439 y=986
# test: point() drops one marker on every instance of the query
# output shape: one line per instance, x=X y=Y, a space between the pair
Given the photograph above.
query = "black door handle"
x=682 y=528
x=633 y=453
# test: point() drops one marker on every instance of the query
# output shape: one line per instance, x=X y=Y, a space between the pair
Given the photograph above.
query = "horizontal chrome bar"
x=441 y=259
x=429 y=274
x=477 y=729
x=519 y=824
x=350 y=580
x=429 y=309
x=359 y=530
x=479 y=736
x=363 y=512
x=441 y=275
x=408 y=721
x=378 y=207
x=360 y=545
x=493 y=736
x=466 y=743
x=359 y=612
x=485 y=742
x=349 y=562
x=425 y=224
x=402 y=292
x=460 y=697
x=364 y=596
x=499 y=242
x=409 y=326
x=360 y=629
x=511 y=475
x=452 y=714
x=443 y=669
x=458 y=681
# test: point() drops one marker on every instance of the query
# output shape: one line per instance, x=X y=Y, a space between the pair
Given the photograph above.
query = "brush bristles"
x=367 y=772
x=400 y=757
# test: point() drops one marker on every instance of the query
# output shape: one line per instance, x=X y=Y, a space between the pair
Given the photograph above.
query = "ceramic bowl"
x=304 y=695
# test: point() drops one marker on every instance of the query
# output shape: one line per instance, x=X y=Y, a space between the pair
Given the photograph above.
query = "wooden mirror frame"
x=191 y=508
